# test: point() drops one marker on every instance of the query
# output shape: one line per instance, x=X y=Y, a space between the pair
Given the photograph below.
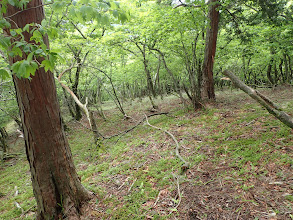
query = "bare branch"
x=28 y=9
x=185 y=166
x=187 y=5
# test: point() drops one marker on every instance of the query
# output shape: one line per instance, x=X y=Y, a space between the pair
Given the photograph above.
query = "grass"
x=232 y=145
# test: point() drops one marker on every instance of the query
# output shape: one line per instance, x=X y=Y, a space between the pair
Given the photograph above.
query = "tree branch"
x=27 y=9
x=185 y=166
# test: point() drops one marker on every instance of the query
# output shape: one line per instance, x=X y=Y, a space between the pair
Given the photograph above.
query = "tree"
x=57 y=188
x=207 y=89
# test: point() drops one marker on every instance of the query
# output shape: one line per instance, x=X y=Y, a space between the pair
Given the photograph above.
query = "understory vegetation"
x=129 y=109
x=240 y=162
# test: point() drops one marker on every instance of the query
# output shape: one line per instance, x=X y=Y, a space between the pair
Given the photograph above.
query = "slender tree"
x=57 y=188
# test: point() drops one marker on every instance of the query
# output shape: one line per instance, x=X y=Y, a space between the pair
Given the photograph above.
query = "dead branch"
x=185 y=166
x=262 y=100
x=130 y=129
x=88 y=114
x=179 y=193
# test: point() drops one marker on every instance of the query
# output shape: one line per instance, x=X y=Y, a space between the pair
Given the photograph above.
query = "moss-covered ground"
x=241 y=161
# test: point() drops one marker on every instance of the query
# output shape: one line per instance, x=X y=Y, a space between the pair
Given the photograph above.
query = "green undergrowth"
x=129 y=171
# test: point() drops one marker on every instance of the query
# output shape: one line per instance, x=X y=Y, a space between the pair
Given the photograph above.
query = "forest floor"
x=241 y=161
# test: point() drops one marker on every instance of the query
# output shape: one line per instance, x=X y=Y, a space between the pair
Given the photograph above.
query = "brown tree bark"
x=207 y=84
x=57 y=188
x=3 y=136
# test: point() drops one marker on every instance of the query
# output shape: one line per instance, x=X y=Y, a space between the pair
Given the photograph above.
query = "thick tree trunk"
x=56 y=185
x=207 y=88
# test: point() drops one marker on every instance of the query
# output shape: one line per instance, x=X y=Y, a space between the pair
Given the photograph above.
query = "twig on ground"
x=130 y=129
x=27 y=211
x=185 y=166
x=123 y=183
x=157 y=199
x=179 y=194
x=132 y=185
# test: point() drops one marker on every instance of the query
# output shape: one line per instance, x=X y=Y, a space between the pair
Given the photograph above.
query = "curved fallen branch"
x=185 y=166
x=262 y=100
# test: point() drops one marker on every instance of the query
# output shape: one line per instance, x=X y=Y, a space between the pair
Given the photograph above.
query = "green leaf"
x=44 y=23
x=19 y=43
x=11 y=2
x=37 y=36
x=13 y=33
x=48 y=65
x=18 y=30
x=27 y=27
x=27 y=48
x=16 y=51
x=4 y=74
x=115 y=13
x=58 y=6
x=4 y=24
x=38 y=51
x=114 y=5
x=5 y=42
x=30 y=57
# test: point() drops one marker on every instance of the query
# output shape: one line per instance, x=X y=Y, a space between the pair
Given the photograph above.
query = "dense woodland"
x=130 y=109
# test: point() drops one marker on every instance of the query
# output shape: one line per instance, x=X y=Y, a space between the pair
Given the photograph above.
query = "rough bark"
x=54 y=178
x=3 y=136
x=207 y=88
x=262 y=100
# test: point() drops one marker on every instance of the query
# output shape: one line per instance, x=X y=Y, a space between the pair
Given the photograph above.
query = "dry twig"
x=179 y=194
x=185 y=166
x=132 y=185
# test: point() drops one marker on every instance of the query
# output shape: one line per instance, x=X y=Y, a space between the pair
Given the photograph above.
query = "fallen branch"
x=130 y=129
x=262 y=100
x=185 y=166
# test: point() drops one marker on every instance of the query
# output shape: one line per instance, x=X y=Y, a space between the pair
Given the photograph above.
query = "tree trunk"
x=175 y=81
x=286 y=67
x=207 y=88
x=262 y=100
x=3 y=136
x=269 y=72
x=57 y=188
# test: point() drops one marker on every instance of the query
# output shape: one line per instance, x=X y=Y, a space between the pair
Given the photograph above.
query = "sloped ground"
x=241 y=161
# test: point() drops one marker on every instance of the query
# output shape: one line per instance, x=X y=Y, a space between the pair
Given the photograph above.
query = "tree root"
x=185 y=166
